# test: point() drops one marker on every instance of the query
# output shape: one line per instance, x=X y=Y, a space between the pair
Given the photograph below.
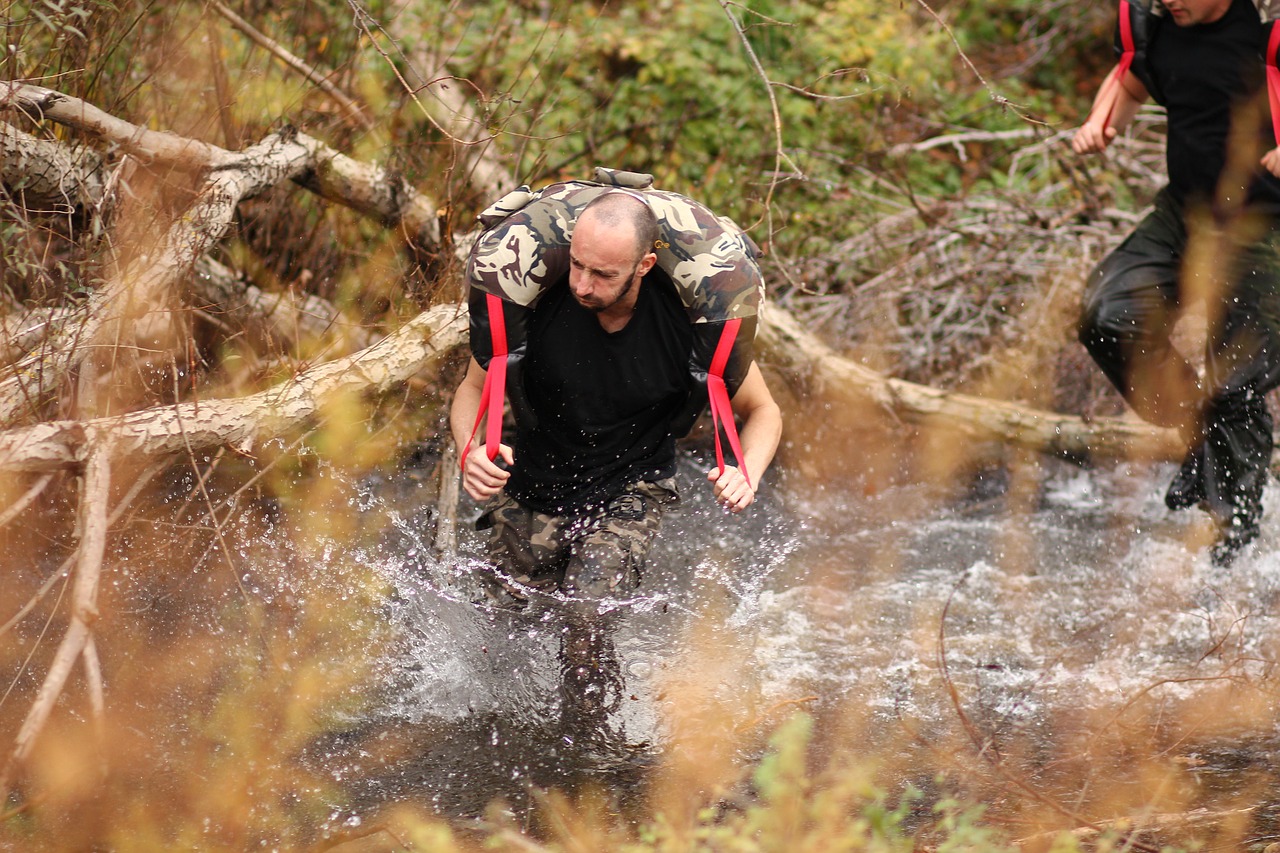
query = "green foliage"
x=670 y=88
x=837 y=808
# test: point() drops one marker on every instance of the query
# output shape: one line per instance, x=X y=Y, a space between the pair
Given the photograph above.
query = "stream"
x=1055 y=628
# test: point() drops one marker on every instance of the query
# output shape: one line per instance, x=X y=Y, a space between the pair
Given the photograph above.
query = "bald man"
x=576 y=503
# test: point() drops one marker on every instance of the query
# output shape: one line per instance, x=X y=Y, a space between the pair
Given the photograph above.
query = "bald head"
x=623 y=211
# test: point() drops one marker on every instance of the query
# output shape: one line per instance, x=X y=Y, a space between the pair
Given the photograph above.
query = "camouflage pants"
x=596 y=553
x=587 y=556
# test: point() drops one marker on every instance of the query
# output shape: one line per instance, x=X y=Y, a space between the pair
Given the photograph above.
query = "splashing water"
x=972 y=622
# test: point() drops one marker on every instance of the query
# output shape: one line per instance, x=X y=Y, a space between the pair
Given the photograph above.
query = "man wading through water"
x=1213 y=231
x=606 y=371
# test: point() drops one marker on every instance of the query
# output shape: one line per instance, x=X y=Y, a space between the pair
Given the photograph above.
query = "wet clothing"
x=1204 y=75
x=604 y=401
x=592 y=480
x=591 y=554
x=1131 y=304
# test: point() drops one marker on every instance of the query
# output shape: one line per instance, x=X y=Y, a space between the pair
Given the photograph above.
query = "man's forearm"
x=761 y=431
x=466 y=404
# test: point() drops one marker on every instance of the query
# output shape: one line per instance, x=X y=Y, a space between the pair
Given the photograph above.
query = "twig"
x=984 y=745
x=999 y=99
x=137 y=487
x=97 y=696
x=23 y=502
x=779 y=156
x=93 y=541
x=447 y=504
x=277 y=50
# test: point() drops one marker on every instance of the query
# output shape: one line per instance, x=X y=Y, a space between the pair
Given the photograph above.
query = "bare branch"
x=211 y=423
x=352 y=109
x=149 y=145
x=93 y=541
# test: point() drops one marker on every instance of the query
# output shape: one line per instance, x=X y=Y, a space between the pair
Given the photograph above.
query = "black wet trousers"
x=1131 y=303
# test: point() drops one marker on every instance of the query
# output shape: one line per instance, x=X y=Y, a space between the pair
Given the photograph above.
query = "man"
x=1212 y=234
x=579 y=498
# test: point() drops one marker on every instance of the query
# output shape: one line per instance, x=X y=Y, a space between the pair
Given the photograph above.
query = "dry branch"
x=238 y=421
x=448 y=105
x=273 y=47
x=49 y=175
x=784 y=344
x=147 y=145
x=148 y=282
x=84 y=612
x=151 y=280
x=278 y=319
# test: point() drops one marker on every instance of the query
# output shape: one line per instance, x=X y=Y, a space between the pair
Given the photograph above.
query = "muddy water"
x=1076 y=641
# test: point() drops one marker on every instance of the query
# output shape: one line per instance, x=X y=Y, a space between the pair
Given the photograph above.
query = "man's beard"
x=600 y=307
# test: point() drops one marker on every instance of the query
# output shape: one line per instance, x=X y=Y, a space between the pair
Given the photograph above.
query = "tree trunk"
x=784 y=343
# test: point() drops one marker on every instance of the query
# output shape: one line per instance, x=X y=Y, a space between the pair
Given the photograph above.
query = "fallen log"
x=785 y=344
x=240 y=421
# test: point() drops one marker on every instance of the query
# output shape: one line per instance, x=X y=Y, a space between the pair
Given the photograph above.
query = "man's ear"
x=646 y=263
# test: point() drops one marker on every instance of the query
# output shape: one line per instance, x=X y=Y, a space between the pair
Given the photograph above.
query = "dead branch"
x=281 y=319
x=448 y=105
x=93 y=542
x=349 y=106
x=17 y=507
x=365 y=188
x=1149 y=823
x=49 y=175
x=147 y=282
x=21 y=333
x=139 y=484
x=147 y=145
x=787 y=345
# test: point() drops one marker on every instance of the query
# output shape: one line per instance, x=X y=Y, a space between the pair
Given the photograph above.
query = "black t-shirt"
x=1206 y=76
x=604 y=401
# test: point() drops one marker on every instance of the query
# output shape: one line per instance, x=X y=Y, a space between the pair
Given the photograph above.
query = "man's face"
x=603 y=269
x=1186 y=13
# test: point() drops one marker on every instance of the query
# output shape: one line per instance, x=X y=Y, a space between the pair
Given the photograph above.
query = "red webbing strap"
x=1273 y=79
x=495 y=382
x=1126 y=61
x=718 y=395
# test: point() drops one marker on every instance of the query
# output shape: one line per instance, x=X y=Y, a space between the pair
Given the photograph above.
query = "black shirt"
x=604 y=400
x=1208 y=76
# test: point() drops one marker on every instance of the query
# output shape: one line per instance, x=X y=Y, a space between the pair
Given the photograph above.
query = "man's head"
x=1187 y=13
x=611 y=250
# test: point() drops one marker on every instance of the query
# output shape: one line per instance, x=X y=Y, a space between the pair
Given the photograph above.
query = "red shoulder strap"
x=1127 y=50
x=1273 y=78
x=718 y=396
x=495 y=382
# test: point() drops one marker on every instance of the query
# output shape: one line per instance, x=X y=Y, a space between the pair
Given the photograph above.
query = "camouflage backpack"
x=525 y=250
x=1135 y=21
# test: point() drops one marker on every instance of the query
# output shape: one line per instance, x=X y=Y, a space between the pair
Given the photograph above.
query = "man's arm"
x=1117 y=101
x=480 y=477
x=761 y=428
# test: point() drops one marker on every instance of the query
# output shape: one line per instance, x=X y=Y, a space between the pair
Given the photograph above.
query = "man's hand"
x=731 y=488
x=1271 y=161
x=1093 y=137
x=481 y=477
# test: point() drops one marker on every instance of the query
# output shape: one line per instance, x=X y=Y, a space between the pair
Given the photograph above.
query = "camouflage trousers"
x=590 y=555
x=587 y=556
